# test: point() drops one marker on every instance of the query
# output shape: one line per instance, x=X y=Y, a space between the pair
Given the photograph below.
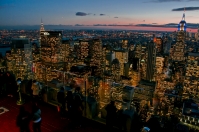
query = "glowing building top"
x=182 y=26
x=42 y=26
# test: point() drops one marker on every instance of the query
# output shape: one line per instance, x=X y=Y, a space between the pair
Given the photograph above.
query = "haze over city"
x=112 y=14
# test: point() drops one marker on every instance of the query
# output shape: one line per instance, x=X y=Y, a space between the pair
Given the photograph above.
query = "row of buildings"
x=156 y=69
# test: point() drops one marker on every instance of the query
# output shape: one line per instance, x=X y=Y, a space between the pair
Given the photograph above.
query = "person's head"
x=7 y=73
x=34 y=81
x=62 y=88
x=112 y=102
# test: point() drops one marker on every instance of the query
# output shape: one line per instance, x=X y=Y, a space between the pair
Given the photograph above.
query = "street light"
x=20 y=101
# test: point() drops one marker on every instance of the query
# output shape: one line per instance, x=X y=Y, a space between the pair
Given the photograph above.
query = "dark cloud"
x=99 y=25
x=81 y=14
x=102 y=14
x=186 y=8
x=116 y=17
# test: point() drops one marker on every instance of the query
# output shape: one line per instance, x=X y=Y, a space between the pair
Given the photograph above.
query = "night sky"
x=98 y=12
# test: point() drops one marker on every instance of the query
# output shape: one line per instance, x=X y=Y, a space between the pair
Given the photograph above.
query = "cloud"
x=186 y=8
x=116 y=17
x=81 y=14
x=99 y=25
x=102 y=14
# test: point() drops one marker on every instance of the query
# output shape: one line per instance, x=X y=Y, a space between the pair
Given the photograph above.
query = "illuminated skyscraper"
x=191 y=83
x=51 y=53
x=50 y=46
x=122 y=56
x=178 y=54
x=21 y=51
x=82 y=51
x=96 y=55
x=179 y=47
x=159 y=45
x=42 y=26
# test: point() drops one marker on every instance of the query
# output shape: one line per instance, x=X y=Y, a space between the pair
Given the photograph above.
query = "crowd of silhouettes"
x=74 y=106
x=8 y=85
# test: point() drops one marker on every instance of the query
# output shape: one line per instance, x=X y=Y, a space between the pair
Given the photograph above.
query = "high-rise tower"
x=179 y=47
x=151 y=59
x=42 y=26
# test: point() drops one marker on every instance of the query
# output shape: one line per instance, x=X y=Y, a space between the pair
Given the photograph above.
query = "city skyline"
x=112 y=14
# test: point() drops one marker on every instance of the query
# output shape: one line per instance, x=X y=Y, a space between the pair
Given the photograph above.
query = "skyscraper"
x=42 y=26
x=159 y=45
x=179 y=47
x=50 y=46
x=21 y=51
x=151 y=59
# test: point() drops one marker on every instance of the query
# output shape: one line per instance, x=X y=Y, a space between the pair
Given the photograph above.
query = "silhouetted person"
x=23 y=120
x=35 y=90
x=10 y=84
x=70 y=101
x=153 y=124
x=77 y=107
x=62 y=101
x=1 y=83
x=111 y=115
x=36 y=118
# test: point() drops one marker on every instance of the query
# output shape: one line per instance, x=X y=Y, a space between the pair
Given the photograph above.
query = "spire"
x=183 y=17
x=42 y=26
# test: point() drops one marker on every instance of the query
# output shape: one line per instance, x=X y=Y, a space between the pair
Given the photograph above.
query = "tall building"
x=50 y=46
x=191 y=83
x=82 y=51
x=151 y=60
x=122 y=56
x=178 y=56
x=96 y=55
x=159 y=45
x=21 y=51
x=42 y=26
x=51 y=55
x=143 y=62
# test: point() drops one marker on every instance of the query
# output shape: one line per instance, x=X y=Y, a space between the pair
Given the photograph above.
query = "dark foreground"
x=51 y=121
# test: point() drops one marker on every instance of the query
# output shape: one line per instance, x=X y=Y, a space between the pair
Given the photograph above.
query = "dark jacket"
x=111 y=110
x=23 y=119
x=61 y=96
